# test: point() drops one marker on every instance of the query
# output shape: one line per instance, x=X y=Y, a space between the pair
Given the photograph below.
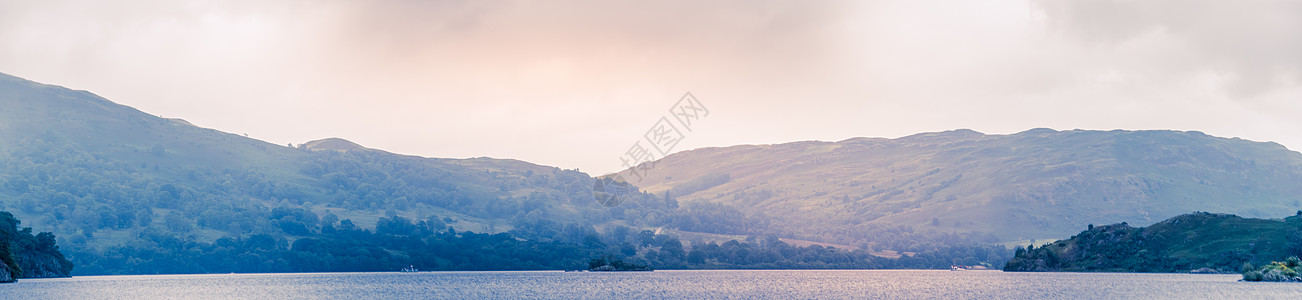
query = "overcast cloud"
x=574 y=83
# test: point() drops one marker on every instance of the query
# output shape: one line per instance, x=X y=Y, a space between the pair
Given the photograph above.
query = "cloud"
x=518 y=79
x=575 y=83
x=1252 y=44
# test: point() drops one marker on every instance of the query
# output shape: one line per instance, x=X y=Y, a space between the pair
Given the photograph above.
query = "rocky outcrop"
x=6 y=275
x=24 y=255
x=45 y=265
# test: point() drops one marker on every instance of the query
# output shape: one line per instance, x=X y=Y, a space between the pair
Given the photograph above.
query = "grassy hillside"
x=1037 y=184
x=1221 y=242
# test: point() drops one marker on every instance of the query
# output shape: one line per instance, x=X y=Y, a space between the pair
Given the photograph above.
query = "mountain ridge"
x=913 y=179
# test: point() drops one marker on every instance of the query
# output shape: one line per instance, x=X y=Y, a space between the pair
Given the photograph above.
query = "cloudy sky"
x=574 y=84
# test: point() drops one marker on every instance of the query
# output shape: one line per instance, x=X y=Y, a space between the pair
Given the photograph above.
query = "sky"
x=576 y=84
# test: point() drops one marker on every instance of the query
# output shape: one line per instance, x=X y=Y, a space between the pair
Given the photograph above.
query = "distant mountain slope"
x=1219 y=242
x=102 y=175
x=1034 y=184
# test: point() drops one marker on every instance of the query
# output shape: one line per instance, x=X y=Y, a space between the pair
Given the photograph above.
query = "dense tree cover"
x=610 y=263
x=74 y=190
x=398 y=242
x=772 y=253
x=27 y=255
x=1110 y=248
x=1218 y=242
x=718 y=218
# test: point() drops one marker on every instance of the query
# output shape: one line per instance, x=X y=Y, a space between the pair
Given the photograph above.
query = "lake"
x=779 y=284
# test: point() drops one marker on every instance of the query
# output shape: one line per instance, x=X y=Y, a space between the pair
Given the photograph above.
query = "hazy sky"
x=574 y=84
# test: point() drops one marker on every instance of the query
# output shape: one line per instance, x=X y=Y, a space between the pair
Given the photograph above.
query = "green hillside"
x=1036 y=184
x=1220 y=242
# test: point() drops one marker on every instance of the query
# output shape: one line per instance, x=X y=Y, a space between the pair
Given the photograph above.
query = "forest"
x=398 y=242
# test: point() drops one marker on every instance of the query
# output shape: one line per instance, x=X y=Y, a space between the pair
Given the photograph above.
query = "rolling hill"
x=103 y=176
x=1039 y=183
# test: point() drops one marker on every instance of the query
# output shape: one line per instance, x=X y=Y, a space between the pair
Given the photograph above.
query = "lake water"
x=800 y=284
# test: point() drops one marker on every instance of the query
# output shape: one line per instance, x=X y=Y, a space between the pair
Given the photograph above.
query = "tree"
x=329 y=219
x=645 y=237
x=177 y=223
x=144 y=217
x=158 y=150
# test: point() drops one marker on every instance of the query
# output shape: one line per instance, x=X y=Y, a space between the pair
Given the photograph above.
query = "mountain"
x=1039 y=183
x=1218 y=242
x=131 y=193
x=127 y=192
x=114 y=182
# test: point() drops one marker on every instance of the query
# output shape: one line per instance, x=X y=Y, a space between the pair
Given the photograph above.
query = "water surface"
x=780 y=284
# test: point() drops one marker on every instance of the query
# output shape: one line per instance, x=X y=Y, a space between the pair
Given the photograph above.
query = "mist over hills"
x=103 y=176
x=1040 y=183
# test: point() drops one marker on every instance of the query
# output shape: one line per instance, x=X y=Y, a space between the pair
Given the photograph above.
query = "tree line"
x=398 y=242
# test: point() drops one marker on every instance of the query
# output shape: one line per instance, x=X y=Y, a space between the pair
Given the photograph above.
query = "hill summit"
x=333 y=144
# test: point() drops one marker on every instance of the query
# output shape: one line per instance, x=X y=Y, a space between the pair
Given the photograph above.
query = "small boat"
x=958 y=268
x=410 y=269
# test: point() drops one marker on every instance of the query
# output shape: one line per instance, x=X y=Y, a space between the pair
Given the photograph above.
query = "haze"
x=574 y=83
